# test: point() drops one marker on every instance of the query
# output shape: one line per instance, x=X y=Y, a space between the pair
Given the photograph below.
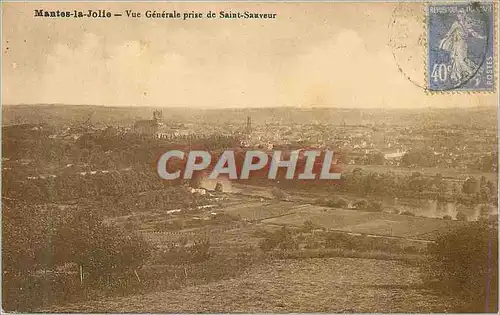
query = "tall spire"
x=249 y=125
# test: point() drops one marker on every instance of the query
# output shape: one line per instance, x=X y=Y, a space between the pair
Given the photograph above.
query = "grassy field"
x=375 y=223
x=275 y=213
x=253 y=211
x=353 y=221
x=310 y=280
x=309 y=285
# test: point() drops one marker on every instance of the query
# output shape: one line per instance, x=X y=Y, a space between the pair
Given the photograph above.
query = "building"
x=394 y=155
x=170 y=132
x=248 y=128
x=149 y=127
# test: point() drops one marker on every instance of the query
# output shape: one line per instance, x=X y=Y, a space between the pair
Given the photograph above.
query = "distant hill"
x=125 y=116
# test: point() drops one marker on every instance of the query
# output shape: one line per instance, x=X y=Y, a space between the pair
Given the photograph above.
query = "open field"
x=268 y=213
x=311 y=285
x=378 y=274
x=373 y=223
x=353 y=221
x=240 y=276
x=255 y=211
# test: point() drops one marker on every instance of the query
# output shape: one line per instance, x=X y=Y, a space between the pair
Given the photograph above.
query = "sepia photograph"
x=249 y=157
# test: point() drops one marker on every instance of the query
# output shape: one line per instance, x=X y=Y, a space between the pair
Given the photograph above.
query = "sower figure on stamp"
x=455 y=42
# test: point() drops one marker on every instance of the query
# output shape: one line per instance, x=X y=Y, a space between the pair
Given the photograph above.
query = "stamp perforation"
x=494 y=53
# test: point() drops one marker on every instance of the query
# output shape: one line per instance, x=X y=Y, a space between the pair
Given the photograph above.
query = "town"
x=304 y=170
x=406 y=177
x=250 y=157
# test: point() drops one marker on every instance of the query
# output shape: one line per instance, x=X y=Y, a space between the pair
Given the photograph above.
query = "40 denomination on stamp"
x=461 y=47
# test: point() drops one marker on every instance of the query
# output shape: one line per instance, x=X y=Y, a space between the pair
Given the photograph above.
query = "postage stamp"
x=460 y=54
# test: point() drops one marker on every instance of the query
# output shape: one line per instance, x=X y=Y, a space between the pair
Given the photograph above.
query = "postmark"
x=460 y=51
x=407 y=39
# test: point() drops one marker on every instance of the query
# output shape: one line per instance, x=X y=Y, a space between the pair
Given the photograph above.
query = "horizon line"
x=258 y=107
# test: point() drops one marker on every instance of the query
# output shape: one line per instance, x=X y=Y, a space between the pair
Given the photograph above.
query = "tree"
x=38 y=238
x=376 y=159
x=407 y=212
x=484 y=213
x=461 y=216
x=464 y=262
x=417 y=182
x=333 y=202
x=484 y=190
x=470 y=186
x=282 y=239
x=487 y=163
x=343 y=158
x=355 y=181
x=419 y=157
x=100 y=249
x=218 y=187
x=278 y=194
x=438 y=179
x=371 y=206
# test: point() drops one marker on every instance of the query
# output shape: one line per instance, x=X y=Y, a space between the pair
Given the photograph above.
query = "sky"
x=311 y=55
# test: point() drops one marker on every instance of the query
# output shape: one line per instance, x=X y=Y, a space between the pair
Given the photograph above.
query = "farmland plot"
x=262 y=210
x=376 y=223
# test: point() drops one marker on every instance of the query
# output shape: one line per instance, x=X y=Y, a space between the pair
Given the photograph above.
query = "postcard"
x=250 y=157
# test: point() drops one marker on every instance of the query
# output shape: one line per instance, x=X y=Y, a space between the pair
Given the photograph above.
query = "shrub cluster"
x=43 y=240
x=282 y=239
x=464 y=263
x=183 y=253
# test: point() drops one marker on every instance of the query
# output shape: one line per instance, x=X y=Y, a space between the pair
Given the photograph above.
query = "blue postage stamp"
x=460 y=47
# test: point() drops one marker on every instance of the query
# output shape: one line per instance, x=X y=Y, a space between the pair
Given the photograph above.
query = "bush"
x=360 y=205
x=182 y=253
x=278 y=194
x=462 y=216
x=200 y=250
x=218 y=187
x=371 y=206
x=339 y=240
x=46 y=239
x=374 y=206
x=332 y=202
x=225 y=218
x=283 y=239
x=309 y=226
x=100 y=249
x=409 y=213
x=464 y=262
x=174 y=225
